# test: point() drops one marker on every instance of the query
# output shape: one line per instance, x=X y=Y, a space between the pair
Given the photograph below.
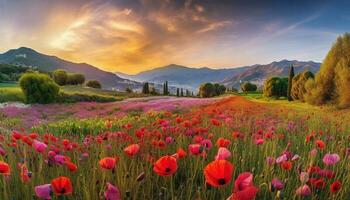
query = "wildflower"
x=132 y=150
x=218 y=173
x=287 y=165
x=320 y=144
x=317 y=183
x=43 y=191
x=62 y=186
x=222 y=154
x=71 y=166
x=112 y=192
x=181 y=153
x=331 y=159
x=281 y=159
x=277 y=184
x=195 y=149
x=222 y=142
x=244 y=188
x=304 y=191
x=4 y=168
x=207 y=144
x=165 y=166
x=108 y=162
x=304 y=177
x=335 y=187
x=259 y=141
x=39 y=146
x=270 y=160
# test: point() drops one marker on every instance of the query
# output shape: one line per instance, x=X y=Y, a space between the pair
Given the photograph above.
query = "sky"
x=135 y=35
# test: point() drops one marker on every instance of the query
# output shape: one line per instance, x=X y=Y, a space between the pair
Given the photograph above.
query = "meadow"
x=220 y=148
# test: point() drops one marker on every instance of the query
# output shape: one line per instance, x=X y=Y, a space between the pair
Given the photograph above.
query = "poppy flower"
x=222 y=142
x=320 y=144
x=335 y=187
x=218 y=173
x=281 y=159
x=132 y=149
x=331 y=159
x=195 y=149
x=24 y=173
x=181 y=153
x=304 y=191
x=43 y=191
x=71 y=166
x=4 y=168
x=108 y=162
x=165 y=166
x=62 y=186
x=287 y=165
x=223 y=154
x=317 y=183
x=244 y=188
x=112 y=192
x=277 y=184
x=39 y=146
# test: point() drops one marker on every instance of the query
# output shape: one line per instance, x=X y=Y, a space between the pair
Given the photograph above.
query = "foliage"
x=11 y=73
x=60 y=76
x=331 y=83
x=290 y=83
x=38 y=88
x=75 y=79
x=210 y=90
x=145 y=88
x=275 y=87
x=165 y=88
x=128 y=90
x=298 y=88
x=11 y=94
x=81 y=97
x=94 y=84
x=248 y=87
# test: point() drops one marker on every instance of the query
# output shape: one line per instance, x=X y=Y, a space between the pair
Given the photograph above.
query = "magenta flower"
x=259 y=141
x=112 y=192
x=313 y=152
x=222 y=154
x=60 y=159
x=281 y=159
x=43 y=191
x=39 y=146
x=304 y=191
x=207 y=144
x=277 y=184
x=270 y=160
x=304 y=177
x=331 y=159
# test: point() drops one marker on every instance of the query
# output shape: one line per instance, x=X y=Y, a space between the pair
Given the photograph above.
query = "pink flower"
x=39 y=146
x=331 y=159
x=60 y=159
x=304 y=191
x=2 y=151
x=169 y=139
x=244 y=188
x=281 y=159
x=259 y=141
x=313 y=152
x=295 y=157
x=222 y=154
x=270 y=160
x=207 y=144
x=277 y=184
x=43 y=191
x=112 y=192
x=195 y=149
x=304 y=177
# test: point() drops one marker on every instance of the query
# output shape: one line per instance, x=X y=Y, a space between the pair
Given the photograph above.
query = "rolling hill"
x=28 y=57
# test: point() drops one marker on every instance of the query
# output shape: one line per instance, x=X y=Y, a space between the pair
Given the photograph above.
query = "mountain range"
x=176 y=75
x=28 y=57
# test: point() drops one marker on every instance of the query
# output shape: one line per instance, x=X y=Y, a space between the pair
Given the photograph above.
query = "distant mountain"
x=259 y=73
x=28 y=57
x=181 y=76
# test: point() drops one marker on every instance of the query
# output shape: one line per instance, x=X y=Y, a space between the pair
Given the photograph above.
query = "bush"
x=210 y=90
x=75 y=79
x=60 y=77
x=275 y=87
x=94 y=84
x=298 y=88
x=248 y=87
x=80 y=97
x=38 y=88
x=331 y=84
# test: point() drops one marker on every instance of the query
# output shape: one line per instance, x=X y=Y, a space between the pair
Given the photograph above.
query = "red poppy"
x=244 y=188
x=218 y=173
x=335 y=187
x=318 y=183
x=108 y=162
x=165 y=166
x=287 y=165
x=181 y=153
x=4 y=168
x=215 y=122
x=132 y=149
x=222 y=142
x=62 y=186
x=71 y=166
x=320 y=144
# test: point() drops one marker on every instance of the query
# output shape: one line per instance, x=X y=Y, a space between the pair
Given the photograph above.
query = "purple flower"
x=270 y=160
x=277 y=184
x=112 y=192
x=43 y=191
x=331 y=159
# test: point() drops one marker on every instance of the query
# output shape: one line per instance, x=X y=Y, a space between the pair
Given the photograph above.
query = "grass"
x=10 y=92
x=283 y=130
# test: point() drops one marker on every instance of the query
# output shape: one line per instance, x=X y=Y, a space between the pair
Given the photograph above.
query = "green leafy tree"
x=145 y=88
x=75 y=79
x=275 y=87
x=331 y=83
x=290 y=83
x=248 y=87
x=60 y=76
x=38 y=88
x=298 y=88
x=94 y=84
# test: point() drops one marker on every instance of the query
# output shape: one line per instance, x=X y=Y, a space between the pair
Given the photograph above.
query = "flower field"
x=228 y=148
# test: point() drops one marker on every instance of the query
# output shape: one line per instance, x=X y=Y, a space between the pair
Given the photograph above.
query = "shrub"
x=75 y=79
x=248 y=87
x=298 y=88
x=210 y=90
x=94 y=84
x=275 y=87
x=60 y=77
x=80 y=97
x=331 y=84
x=38 y=88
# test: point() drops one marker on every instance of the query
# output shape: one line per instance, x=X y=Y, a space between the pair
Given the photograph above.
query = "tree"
x=38 y=88
x=165 y=88
x=60 y=76
x=275 y=87
x=248 y=87
x=182 y=92
x=128 y=90
x=290 y=83
x=331 y=83
x=145 y=88
x=177 y=92
x=94 y=84
x=298 y=88
x=75 y=79
x=206 y=90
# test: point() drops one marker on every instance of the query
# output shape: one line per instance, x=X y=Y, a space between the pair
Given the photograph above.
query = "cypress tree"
x=177 y=92
x=145 y=88
x=290 y=83
x=182 y=92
